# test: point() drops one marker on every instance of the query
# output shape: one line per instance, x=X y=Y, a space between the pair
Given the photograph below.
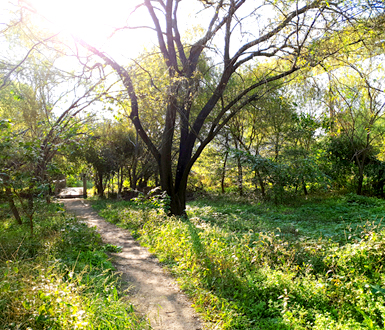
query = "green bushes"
x=60 y=278
x=243 y=272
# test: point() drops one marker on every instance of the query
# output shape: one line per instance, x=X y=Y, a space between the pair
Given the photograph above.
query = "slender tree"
x=360 y=100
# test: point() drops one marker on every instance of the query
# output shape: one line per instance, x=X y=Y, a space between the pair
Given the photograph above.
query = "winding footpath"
x=151 y=289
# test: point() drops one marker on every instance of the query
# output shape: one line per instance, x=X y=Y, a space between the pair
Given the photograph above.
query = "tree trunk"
x=157 y=179
x=99 y=184
x=361 y=165
x=239 y=169
x=84 y=178
x=240 y=177
x=12 y=206
x=224 y=173
x=261 y=183
x=134 y=174
x=276 y=149
x=304 y=187
x=360 y=181
x=129 y=173
x=120 y=181
x=380 y=183
x=178 y=203
x=30 y=201
x=30 y=216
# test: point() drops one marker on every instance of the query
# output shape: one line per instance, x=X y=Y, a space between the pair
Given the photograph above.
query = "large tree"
x=275 y=39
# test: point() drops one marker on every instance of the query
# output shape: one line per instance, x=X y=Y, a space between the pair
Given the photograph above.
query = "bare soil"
x=152 y=291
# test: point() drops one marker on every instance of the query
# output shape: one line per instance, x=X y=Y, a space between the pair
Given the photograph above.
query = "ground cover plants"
x=60 y=278
x=312 y=264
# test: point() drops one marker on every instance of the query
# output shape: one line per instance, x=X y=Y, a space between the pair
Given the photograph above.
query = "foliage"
x=154 y=199
x=60 y=278
x=253 y=265
x=283 y=176
x=194 y=98
x=34 y=131
x=113 y=150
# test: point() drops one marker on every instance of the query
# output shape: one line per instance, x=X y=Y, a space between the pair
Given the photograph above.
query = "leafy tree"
x=358 y=128
x=294 y=37
x=45 y=119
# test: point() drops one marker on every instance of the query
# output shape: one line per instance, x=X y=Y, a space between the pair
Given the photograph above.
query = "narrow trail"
x=152 y=291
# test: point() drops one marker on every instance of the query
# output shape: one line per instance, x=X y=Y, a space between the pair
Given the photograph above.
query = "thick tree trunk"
x=99 y=184
x=178 y=203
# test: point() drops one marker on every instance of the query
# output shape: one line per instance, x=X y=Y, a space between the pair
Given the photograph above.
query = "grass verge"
x=60 y=278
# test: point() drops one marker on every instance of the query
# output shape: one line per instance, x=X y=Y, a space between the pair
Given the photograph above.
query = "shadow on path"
x=152 y=291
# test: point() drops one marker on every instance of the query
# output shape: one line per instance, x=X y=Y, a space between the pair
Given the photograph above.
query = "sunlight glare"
x=90 y=20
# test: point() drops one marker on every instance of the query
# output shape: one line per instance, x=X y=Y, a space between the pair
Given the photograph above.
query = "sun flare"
x=92 y=21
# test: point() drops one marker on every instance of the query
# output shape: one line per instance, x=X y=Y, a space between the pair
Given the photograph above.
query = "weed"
x=112 y=248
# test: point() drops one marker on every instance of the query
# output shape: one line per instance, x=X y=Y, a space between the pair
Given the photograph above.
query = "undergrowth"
x=60 y=278
x=313 y=265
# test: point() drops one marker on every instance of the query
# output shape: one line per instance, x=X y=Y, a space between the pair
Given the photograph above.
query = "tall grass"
x=312 y=265
x=60 y=278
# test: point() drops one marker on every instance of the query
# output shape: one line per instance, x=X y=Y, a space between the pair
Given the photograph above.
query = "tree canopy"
x=274 y=40
x=182 y=92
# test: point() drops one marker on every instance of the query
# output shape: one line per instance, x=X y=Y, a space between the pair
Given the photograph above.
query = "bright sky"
x=94 y=21
x=91 y=20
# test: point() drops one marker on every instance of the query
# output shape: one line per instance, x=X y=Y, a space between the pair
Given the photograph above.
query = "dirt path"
x=71 y=192
x=154 y=292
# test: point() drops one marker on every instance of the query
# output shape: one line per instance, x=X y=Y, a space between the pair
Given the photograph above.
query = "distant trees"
x=116 y=155
x=273 y=144
x=357 y=127
x=294 y=37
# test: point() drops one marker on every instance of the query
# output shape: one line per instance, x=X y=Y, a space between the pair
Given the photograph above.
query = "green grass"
x=337 y=218
x=314 y=264
x=59 y=279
